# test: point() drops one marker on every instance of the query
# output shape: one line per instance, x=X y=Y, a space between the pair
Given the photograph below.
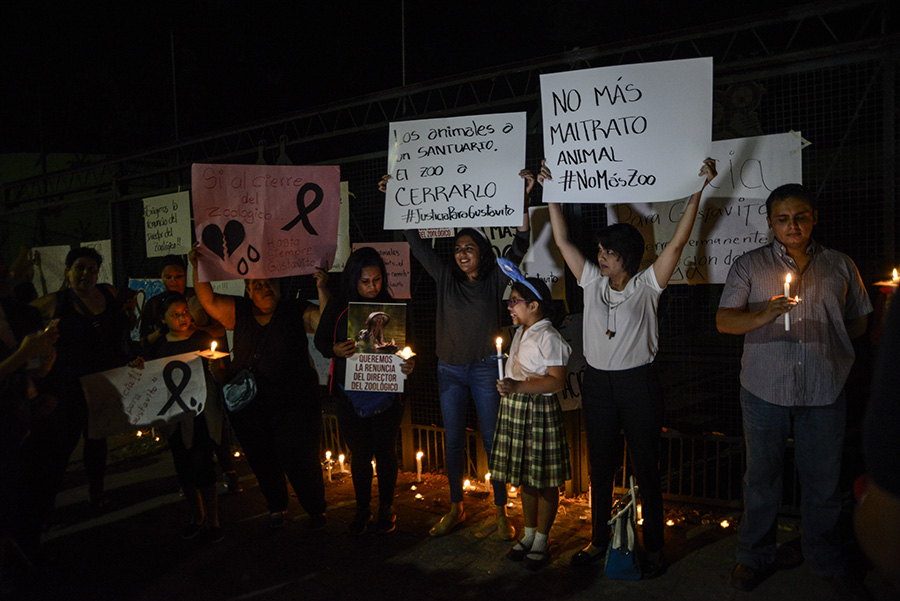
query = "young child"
x=192 y=441
x=530 y=448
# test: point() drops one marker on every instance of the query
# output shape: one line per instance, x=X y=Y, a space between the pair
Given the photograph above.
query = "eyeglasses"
x=515 y=301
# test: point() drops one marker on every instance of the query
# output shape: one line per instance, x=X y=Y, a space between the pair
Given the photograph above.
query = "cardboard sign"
x=50 y=272
x=165 y=391
x=264 y=221
x=456 y=171
x=732 y=215
x=167 y=224
x=628 y=133
x=396 y=260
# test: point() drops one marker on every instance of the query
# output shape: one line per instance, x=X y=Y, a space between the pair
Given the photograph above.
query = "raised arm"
x=219 y=306
x=313 y=313
x=571 y=254
x=665 y=264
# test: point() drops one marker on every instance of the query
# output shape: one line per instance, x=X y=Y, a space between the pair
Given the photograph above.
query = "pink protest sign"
x=264 y=221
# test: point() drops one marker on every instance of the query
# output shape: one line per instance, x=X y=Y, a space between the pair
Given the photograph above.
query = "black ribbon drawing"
x=175 y=390
x=303 y=210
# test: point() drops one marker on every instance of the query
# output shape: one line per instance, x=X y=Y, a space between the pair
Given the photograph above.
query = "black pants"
x=194 y=466
x=369 y=437
x=283 y=441
x=629 y=400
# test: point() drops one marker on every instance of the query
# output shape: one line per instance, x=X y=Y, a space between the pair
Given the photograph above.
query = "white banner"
x=167 y=224
x=458 y=171
x=732 y=216
x=165 y=391
x=628 y=133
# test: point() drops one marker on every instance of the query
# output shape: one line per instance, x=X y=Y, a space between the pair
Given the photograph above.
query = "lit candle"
x=513 y=492
x=406 y=353
x=724 y=523
x=328 y=467
x=487 y=481
x=341 y=461
x=894 y=277
x=374 y=471
x=787 y=295
x=467 y=484
x=500 y=358
x=419 y=456
x=327 y=455
x=212 y=347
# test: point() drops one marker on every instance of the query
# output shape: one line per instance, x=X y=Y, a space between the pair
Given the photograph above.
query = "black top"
x=881 y=443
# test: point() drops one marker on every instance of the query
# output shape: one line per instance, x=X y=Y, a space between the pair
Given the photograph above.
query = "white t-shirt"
x=620 y=327
x=535 y=349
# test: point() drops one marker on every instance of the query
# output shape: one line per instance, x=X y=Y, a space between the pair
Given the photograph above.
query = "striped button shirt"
x=808 y=365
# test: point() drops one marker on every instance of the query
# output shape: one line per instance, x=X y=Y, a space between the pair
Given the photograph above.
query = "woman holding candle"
x=192 y=442
x=369 y=421
x=281 y=428
x=530 y=447
x=467 y=319
x=622 y=390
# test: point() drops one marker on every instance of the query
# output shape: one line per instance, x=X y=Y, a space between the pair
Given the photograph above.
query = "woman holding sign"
x=621 y=387
x=369 y=421
x=280 y=428
x=469 y=292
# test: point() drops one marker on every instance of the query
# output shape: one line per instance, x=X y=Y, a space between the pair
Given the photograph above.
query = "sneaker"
x=212 y=535
x=362 y=518
x=276 y=520
x=317 y=522
x=744 y=578
x=233 y=483
x=191 y=530
x=387 y=521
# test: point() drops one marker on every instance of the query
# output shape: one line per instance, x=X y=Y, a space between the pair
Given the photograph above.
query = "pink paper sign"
x=264 y=221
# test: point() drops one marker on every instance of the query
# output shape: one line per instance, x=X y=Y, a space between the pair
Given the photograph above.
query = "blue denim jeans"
x=455 y=384
x=818 y=442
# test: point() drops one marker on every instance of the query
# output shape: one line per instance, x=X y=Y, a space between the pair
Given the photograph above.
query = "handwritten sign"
x=732 y=215
x=104 y=247
x=167 y=224
x=373 y=372
x=571 y=329
x=145 y=289
x=396 y=260
x=264 y=221
x=543 y=259
x=628 y=133
x=165 y=391
x=455 y=172
x=50 y=273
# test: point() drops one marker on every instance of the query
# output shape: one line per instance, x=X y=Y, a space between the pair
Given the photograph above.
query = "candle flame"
x=419 y=455
x=670 y=522
x=894 y=275
x=724 y=523
x=467 y=484
x=499 y=342
x=406 y=353
x=341 y=458
x=787 y=279
x=327 y=455
x=212 y=348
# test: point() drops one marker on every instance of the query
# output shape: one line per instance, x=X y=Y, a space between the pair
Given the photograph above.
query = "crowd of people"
x=792 y=384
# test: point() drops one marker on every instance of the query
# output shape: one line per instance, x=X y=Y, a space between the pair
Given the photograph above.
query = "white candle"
x=419 y=456
x=487 y=481
x=500 y=358
x=341 y=461
x=212 y=348
x=329 y=472
x=787 y=295
x=894 y=276
x=374 y=471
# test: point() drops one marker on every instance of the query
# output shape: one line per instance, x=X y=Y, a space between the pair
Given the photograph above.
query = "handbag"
x=621 y=559
x=240 y=390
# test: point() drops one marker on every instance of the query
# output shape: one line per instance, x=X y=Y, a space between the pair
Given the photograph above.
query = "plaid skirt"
x=530 y=445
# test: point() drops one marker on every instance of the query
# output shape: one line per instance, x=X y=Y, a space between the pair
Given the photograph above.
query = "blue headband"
x=512 y=272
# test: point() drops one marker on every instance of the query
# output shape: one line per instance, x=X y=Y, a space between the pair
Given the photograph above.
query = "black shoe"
x=587 y=556
x=233 y=483
x=360 y=521
x=744 y=578
x=535 y=560
x=387 y=521
x=518 y=552
x=276 y=520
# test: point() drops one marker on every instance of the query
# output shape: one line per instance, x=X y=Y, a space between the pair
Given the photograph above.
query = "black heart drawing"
x=220 y=243
x=234 y=235
x=213 y=240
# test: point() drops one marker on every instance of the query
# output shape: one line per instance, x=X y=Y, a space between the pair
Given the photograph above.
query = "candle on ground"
x=419 y=456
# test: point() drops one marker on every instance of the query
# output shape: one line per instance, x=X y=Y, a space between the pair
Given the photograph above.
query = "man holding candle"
x=792 y=378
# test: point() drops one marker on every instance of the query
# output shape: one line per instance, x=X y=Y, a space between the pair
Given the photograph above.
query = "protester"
x=369 y=421
x=193 y=442
x=174 y=278
x=530 y=448
x=797 y=355
x=621 y=387
x=93 y=337
x=466 y=323
x=281 y=428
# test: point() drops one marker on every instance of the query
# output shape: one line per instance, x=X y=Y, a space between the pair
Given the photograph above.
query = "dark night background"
x=97 y=77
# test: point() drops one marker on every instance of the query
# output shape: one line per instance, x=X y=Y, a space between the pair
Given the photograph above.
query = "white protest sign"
x=396 y=260
x=343 y=237
x=456 y=171
x=374 y=372
x=104 y=247
x=165 y=391
x=167 y=224
x=628 y=133
x=50 y=269
x=732 y=215
x=543 y=259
